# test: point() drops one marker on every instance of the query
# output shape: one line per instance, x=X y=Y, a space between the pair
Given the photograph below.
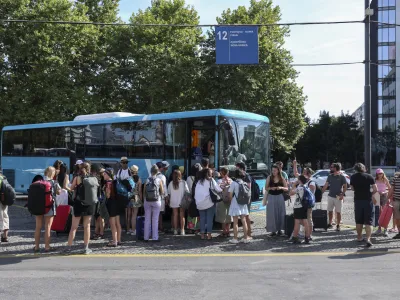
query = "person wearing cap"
x=162 y=168
x=136 y=202
x=361 y=184
x=124 y=172
x=383 y=186
x=152 y=208
x=77 y=168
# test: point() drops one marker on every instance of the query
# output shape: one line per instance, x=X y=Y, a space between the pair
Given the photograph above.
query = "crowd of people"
x=206 y=196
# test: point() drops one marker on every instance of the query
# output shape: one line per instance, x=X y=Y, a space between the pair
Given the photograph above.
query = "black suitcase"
x=320 y=219
x=289 y=225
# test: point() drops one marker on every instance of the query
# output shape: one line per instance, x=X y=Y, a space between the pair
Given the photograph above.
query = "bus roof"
x=137 y=118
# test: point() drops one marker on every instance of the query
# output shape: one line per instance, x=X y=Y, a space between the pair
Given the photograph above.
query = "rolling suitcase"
x=63 y=219
x=386 y=215
x=320 y=219
x=289 y=225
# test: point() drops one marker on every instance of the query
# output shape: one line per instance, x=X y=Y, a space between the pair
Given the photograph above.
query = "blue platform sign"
x=236 y=45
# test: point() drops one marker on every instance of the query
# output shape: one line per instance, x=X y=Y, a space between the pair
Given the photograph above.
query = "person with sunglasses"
x=124 y=172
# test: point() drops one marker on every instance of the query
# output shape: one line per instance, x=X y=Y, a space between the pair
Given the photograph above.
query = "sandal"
x=4 y=240
x=202 y=237
x=36 y=250
x=51 y=249
x=112 y=245
x=95 y=237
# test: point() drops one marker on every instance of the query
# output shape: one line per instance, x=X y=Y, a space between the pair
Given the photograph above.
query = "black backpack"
x=7 y=193
x=318 y=191
x=255 y=189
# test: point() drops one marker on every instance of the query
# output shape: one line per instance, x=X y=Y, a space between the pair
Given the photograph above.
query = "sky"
x=331 y=88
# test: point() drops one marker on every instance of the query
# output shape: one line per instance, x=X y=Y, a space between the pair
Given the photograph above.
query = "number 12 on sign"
x=236 y=45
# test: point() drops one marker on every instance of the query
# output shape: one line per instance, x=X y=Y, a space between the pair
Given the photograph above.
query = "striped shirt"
x=396 y=188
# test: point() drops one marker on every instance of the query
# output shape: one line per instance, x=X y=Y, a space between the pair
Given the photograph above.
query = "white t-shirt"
x=164 y=181
x=175 y=196
x=123 y=174
x=299 y=197
x=202 y=194
x=310 y=184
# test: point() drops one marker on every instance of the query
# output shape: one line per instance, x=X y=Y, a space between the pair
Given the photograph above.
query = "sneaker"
x=246 y=241
x=333 y=223
x=175 y=232
x=133 y=232
x=296 y=240
x=385 y=233
x=182 y=232
x=234 y=241
x=88 y=251
x=378 y=232
x=330 y=226
x=279 y=233
x=306 y=240
x=310 y=238
x=338 y=228
x=396 y=237
x=301 y=236
x=369 y=244
x=4 y=239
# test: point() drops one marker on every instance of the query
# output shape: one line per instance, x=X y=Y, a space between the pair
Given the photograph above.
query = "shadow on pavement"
x=12 y=259
x=375 y=252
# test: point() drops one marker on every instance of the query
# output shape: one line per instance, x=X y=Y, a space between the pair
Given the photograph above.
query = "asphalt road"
x=272 y=276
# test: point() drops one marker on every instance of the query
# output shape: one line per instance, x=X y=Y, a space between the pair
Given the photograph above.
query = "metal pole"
x=367 y=91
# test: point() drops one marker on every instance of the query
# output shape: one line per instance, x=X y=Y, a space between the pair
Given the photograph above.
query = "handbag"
x=214 y=195
x=286 y=196
x=193 y=212
x=186 y=200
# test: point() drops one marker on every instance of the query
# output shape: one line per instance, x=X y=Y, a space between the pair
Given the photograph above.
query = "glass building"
x=384 y=111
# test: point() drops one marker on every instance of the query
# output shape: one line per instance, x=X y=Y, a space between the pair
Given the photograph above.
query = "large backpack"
x=318 y=191
x=7 y=192
x=244 y=195
x=90 y=190
x=152 y=190
x=255 y=189
x=308 y=197
x=40 y=197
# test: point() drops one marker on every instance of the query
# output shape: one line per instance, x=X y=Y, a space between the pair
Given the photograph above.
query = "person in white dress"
x=236 y=210
x=177 y=189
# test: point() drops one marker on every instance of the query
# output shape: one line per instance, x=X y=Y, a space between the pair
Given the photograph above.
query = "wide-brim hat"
x=124 y=158
x=134 y=168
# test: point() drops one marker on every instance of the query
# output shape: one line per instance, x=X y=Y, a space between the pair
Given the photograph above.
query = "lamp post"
x=367 y=88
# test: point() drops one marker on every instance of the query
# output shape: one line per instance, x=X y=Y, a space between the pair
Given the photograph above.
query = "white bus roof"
x=110 y=115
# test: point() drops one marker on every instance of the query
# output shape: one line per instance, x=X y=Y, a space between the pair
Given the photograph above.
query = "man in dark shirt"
x=247 y=179
x=361 y=183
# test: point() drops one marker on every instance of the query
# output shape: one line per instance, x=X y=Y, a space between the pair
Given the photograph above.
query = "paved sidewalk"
x=22 y=228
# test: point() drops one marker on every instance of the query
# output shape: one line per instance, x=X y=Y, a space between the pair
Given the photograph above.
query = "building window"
x=175 y=140
x=386 y=3
x=387 y=124
x=387 y=107
x=148 y=140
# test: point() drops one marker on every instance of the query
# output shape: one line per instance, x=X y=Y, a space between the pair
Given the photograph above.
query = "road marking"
x=191 y=255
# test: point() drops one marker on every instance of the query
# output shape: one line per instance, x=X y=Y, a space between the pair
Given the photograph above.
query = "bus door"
x=201 y=140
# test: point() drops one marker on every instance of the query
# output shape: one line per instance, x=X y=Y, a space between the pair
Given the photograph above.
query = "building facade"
x=358 y=115
x=385 y=112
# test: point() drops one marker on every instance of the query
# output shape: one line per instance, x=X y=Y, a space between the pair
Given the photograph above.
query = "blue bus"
x=182 y=138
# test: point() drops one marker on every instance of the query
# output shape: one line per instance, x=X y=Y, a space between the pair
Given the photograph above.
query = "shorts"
x=300 y=213
x=114 y=209
x=363 y=212
x=81 y=210
x=396 y=210
x=334 y=203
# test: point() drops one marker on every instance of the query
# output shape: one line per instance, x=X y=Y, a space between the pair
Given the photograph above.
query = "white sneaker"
x=234 y=241
x=175 y=232
x=182 y=232
x=246 y=241
x=133 y=232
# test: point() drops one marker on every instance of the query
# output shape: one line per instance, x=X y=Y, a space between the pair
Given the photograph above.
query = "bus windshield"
x=244 y=141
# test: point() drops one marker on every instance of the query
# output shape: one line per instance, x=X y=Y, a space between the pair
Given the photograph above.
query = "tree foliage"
x=54 y=72
x=331 y=139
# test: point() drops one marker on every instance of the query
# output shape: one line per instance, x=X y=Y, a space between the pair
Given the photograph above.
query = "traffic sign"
x=237 y=45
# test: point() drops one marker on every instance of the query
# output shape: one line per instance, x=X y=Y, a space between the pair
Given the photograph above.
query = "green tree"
x=269 y=89
x=45 y=67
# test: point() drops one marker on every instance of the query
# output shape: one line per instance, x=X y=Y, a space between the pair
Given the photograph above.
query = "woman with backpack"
x=276 y=210
x=300 y=211
x=222 y=215
x=136 y=202
x=237 y=210
x=81 y=210
x=204 y=203
x=152 y=204
x=48 y=217
x=113 y=207
x=177 y=189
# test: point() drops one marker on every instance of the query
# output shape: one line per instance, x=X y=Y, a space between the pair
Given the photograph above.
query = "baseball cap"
x=159 y=165
x=379 y=171
x=165 y=164
x=79 y=162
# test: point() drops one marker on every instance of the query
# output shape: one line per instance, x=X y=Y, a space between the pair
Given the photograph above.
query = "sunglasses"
x=124 y=162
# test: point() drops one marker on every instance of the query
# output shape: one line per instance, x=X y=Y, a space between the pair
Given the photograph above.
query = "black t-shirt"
x=361 y=182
